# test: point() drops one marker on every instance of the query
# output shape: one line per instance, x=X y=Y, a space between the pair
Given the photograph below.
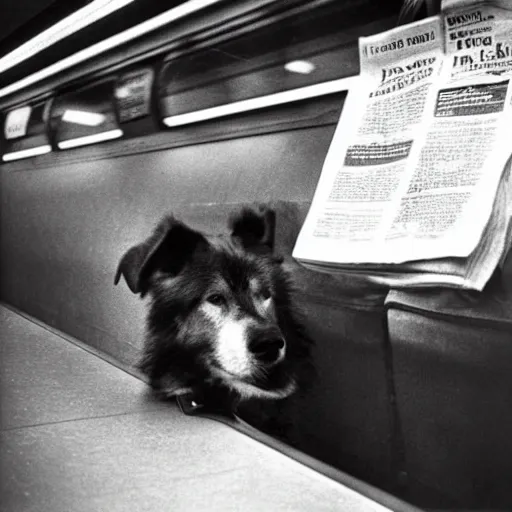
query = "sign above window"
x=16 y=123
x=133 y=94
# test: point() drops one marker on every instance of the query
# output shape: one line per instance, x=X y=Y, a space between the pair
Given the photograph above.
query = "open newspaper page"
x=462 y=158
x=479 y=57
x=367 y=165
x=415 y=162
x=471 y=273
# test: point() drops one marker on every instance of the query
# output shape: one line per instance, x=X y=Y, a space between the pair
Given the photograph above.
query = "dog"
x=222 y=324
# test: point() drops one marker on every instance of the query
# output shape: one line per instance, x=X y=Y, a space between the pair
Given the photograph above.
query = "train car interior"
x=116 y=113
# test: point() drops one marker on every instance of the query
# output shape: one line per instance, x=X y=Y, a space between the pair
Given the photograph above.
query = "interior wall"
x=64 y=228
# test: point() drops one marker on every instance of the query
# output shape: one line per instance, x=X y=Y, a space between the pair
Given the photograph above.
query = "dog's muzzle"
x=267 y=345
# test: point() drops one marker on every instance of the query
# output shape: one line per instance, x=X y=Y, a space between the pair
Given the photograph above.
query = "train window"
x=24 y=133
x=87 y=116
x=296 y=56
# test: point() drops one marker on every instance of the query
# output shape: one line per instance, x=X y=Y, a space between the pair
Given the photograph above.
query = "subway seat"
x=452 y=360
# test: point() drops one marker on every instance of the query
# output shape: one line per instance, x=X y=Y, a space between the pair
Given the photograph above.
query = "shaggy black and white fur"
x=222 y=324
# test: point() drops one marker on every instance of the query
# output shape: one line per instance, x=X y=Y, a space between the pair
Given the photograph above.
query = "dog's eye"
x=216 y=299
x=265 y=293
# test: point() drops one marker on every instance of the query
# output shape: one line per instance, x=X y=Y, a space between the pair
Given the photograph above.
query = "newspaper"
x=472 y=273
x=413 y=170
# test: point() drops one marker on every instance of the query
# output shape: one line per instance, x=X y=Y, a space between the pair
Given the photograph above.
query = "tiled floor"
x=78 y=434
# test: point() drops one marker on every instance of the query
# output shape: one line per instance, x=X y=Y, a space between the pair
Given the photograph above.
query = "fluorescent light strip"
x=80 y=19
x=161 y=20
x=279 y=98
x=25 y=153
x=90 y=139
x=303 y=67
x=83 y=118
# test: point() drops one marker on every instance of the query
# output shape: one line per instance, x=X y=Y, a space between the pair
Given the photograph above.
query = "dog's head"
x=220 y=311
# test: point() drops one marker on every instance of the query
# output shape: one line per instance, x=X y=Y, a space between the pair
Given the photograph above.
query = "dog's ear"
x=254 y=229
x=166 y=250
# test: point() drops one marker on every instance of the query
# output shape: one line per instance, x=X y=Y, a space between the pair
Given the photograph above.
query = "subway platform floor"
x=79 y=434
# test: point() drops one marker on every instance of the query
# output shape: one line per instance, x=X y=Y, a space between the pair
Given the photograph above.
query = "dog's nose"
x=267 y=348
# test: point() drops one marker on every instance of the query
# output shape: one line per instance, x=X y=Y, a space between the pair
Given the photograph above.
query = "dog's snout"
x=267 y=346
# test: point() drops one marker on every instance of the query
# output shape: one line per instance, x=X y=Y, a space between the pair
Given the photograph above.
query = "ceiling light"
x=270 y=100
x=161 y=20
x=83 y=118
x=25 y=153
x=303 y=67
x=90 y=139
x=80 y=19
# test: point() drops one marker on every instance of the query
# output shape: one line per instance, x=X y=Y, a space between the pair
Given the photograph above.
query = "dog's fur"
x=222 y=324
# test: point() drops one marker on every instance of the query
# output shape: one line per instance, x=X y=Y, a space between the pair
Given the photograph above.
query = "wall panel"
x=64 y=228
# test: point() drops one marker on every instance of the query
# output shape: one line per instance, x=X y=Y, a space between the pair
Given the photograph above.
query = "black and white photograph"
x=255 y=256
